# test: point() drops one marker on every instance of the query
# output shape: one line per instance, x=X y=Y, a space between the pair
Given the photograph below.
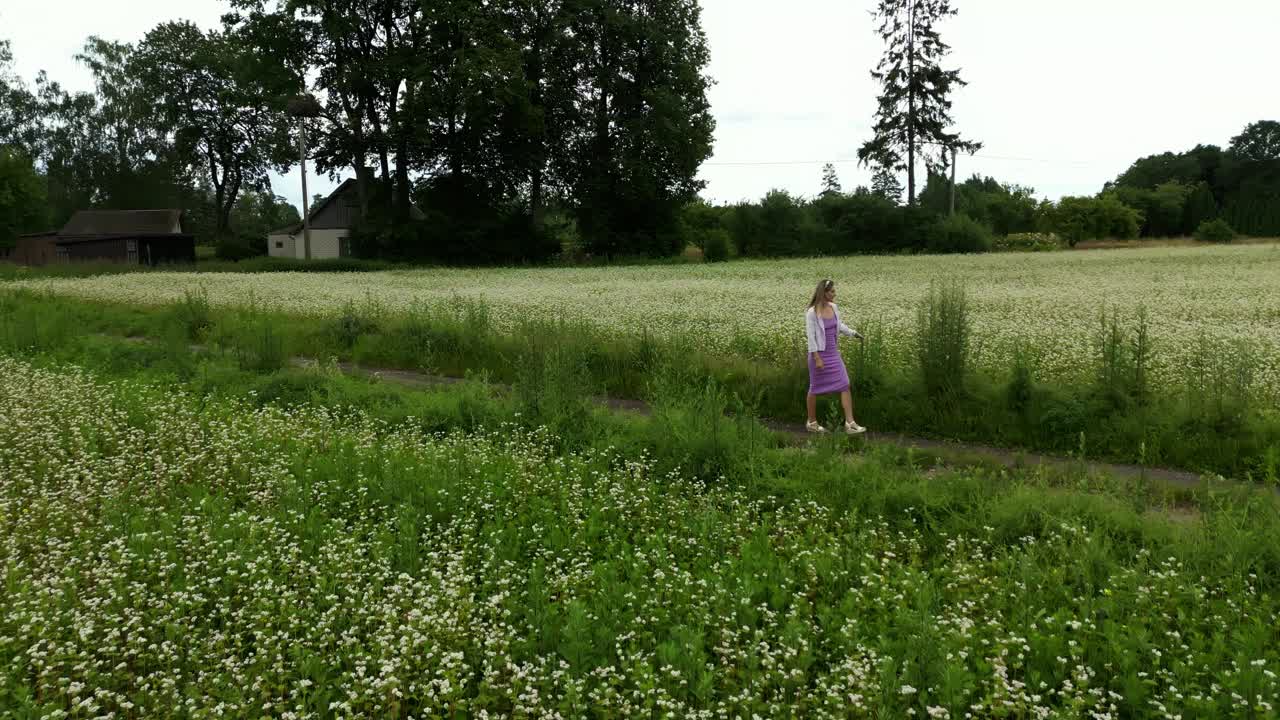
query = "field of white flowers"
x=168 y=556
x=1047 y=303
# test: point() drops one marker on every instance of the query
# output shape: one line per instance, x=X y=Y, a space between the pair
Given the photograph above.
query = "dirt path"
x=971 y=452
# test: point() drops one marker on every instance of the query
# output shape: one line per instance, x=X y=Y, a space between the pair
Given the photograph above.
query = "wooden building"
x=136 y=237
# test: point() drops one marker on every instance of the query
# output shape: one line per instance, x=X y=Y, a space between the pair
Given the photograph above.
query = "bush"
x=715 y=246
x=235 y=248
x=193 y=312
x=1215 y=231
x=1027 y=242
x=959 y=233
x=1084 y=218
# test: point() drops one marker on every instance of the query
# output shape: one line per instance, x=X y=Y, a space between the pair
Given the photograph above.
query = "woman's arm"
x=845 y=329
x=849 y=332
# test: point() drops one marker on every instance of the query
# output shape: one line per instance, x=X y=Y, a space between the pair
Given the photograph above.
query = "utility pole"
x=306 y=210
x=953 y=181
x=303 y=107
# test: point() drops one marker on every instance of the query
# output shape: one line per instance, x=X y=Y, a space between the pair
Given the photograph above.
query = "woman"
x=827 y=373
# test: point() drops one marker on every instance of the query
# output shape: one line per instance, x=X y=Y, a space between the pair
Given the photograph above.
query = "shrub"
x=235 y=248
x=867 y=223
x=959 y=234
x=1083 y=218
x=1027 y=242
x=1215 y=231
x=715 y=245
x=193 y=312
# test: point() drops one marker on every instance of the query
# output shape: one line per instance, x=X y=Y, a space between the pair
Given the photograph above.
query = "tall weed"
x=943 y=333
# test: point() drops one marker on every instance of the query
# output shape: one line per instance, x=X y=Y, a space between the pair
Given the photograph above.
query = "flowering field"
x=1048 y=303
x=167 y=556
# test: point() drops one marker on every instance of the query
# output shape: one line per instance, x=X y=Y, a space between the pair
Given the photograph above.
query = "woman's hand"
x=817 y=361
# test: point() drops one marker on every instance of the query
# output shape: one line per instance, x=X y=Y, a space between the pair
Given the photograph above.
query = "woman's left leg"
x=846 y=400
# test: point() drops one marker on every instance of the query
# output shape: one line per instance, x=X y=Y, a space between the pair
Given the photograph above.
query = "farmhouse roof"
x=122 y=222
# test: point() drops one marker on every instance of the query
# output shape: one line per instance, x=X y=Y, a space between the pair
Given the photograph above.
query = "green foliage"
x=334 y=491
x=22 y=197
x=1163 y=208
x=959 y=233
x=1082 y=218
x=1259 y=142
x=715 y=246
x=781 y=225
x=943 y=331
x=885 y=184
x=1215 y=231
x=1124 y=360
x=257 y=214
x=1241 y=184
x=1003 y=208
x=464 y=224
x=193 y=313
x=220 y=102
x=830 y=181
x=646 y=123
x=702 y=226
x=1124 y=415
x=20 y=121
x=237 y=247
x=1200 y=207
x=772 y=228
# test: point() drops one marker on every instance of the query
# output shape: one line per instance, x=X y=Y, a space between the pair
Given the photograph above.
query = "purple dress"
x=833 y=377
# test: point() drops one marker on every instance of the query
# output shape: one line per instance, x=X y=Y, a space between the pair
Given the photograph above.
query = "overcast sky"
x=1064 y=95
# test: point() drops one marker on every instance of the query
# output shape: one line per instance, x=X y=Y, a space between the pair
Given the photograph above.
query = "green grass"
x=300 y=541
x=1211 y=425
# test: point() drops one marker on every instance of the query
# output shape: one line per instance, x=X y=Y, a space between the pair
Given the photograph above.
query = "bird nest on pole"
x=303 y=106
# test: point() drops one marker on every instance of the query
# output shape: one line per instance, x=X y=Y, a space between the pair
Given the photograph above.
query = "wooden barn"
x=136 y=237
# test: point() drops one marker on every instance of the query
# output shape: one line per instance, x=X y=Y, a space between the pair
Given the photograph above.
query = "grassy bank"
x=1214 y=424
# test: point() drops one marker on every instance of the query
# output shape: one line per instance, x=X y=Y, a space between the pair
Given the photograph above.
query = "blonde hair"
x=820 y=292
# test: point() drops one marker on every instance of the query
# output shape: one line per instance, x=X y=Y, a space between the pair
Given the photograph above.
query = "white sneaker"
x=813 y=427
x=854 y=428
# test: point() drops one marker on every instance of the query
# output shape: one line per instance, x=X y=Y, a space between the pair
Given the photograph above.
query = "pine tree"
x=915 y=105
x=830 y=182
x=885 y=184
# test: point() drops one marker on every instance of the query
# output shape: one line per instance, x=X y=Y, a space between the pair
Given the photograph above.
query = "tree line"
x=1166 y=195
x=488 y=117
x=512 y=130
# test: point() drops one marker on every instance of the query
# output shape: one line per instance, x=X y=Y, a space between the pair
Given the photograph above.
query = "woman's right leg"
x=811 y=404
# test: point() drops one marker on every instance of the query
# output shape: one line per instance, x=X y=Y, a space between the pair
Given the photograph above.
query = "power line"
x=1008 y=158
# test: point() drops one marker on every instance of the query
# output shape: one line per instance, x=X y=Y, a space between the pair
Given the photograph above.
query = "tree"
x=644 y=126
x=1085 y=218
x=1200 y=207
x=915 y=106
x=256 y=214
x=830 y=182
x=885 y=184
x=1259 y=142
x=1004 y=208
x=22 y=196
x=19 y=111
x=222 y=108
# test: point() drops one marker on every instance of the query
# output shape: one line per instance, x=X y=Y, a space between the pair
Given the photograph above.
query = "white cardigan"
x=814 y=332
